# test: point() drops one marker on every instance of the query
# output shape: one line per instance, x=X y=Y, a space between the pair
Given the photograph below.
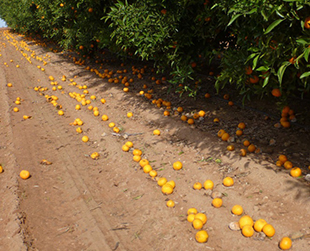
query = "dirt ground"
x=78 y=203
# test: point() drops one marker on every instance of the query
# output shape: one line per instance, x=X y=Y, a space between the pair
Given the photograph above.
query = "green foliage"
x=270 y=36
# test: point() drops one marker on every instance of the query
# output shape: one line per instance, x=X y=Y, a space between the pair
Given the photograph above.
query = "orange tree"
x=270 y=49
x=263 y=45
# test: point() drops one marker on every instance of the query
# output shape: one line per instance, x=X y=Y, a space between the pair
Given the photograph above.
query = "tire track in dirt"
x=95 y=236
x=10 y=231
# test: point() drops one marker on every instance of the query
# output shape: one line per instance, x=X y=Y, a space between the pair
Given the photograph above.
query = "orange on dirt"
x=285 y=243
x=285 y=124
x=15 y=109
x=202 y=236
x=96 y=113
x=129 y=144
x=171 y=183
x=197 y=224
x=156 y=132
x=116 y=129
x=207 y=95
x=167 y=189
x=136 y=158
x=190 y=121
x=295 y=172
x=242 y=152
x=125 y=148
x=147 y=168
x=217 y=202
x=111 y=124
x=251 y=148
x=269 y=230
x=237 y=210
x=201 y=113
x=246 y=143
x=239 y=132
x=228 y=182
x=24 y=174
x=61 y=113
x=102 y=100
x=85 y=139
x=282 y=158
x=230 y=103
x=9 y=85
x=208 y=184
x=105 y=117
x=90 y=108
x=220 y=133
x=225 y=136
x=230 y=148
x=201 y=217
x=183 y=118
x=226 y=96
x=153 y=173
x=276 y=92
x=170 y=203
x=288 y=165
x=259 y=225
x=77 y=107
x=285 y=110
x=190 y=218
x=247 y=231
x=143 y=162
x=166 y=113
x=245 y=220
x=129 y=114
x=137 y=152
x=197 y=186
x=241 y=125
x=177 y=165
x=79 y=130
x=279 y=163
x=192 y=210
x=180 y=109
x=248 y=70
x=216 y=120
x=162 y=181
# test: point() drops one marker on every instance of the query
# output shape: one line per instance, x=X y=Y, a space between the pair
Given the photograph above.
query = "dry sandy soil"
x=78 y=203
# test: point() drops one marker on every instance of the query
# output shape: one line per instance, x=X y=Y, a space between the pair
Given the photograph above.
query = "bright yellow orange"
x=197 y=224
x=217 y=202
x=197 y=186
x=237 y=210
x=192 y=210
x=208 y=184
x=245 y=220
x=170 y=203
x=202 y=217
x=259 y=225
x=269 y=230
x=295 y=172
x=202 y=236
x=24 y=174
x=162 y=181
x=247 y=231
x=228 y=181
x=285 y=243
x=177 y=165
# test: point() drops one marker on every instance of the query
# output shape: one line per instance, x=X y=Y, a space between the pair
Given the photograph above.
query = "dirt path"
x=78 y=203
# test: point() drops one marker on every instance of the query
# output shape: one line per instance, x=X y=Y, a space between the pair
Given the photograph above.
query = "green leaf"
x=266 y=81
x=263 y=68
x=306 y=55
x=305 y=74
x=302 y=41
x=281 y=71
x=233 y=19
x=273 y=25
x=255 y=61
